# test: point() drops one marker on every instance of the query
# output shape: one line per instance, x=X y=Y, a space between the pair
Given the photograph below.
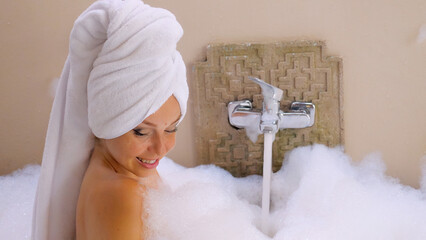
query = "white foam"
x=329 y=197
x=16 y=202
x=252 y=129
x=318 y=194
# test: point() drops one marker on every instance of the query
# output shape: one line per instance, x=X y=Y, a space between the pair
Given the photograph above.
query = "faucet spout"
x=271 y=105
x=268 y=90
x=271 y=96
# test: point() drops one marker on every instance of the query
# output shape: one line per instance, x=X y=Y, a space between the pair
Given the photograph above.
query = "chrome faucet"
x=268 y=121
x=270 y=118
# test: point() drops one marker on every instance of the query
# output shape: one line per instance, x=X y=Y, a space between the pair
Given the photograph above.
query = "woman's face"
x=140 y=149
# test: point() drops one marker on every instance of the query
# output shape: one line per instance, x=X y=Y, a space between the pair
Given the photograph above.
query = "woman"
x=121 y=95
x=110 y=205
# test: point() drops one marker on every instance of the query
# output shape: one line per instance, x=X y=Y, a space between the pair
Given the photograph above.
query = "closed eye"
x=172 y=131
x=137 y=133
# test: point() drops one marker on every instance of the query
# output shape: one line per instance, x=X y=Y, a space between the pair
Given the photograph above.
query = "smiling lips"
x=148 y=163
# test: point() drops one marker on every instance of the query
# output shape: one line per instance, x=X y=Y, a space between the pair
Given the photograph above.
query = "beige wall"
x=384 y=67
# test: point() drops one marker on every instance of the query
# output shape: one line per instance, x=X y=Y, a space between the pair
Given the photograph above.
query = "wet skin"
x=110 y=204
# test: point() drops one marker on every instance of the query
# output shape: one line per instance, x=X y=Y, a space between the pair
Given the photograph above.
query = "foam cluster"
x=17 y=192
x=318 y=194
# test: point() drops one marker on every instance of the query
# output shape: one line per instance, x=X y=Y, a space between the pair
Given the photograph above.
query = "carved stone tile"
x=298 y=68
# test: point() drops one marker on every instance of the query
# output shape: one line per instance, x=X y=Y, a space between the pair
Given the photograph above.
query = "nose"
x=158 y=145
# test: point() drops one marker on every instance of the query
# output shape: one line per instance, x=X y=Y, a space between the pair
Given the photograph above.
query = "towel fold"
x=122 y=66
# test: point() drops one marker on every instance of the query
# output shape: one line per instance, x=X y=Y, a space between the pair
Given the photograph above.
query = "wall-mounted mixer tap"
x=270 y=118
x=268 y=121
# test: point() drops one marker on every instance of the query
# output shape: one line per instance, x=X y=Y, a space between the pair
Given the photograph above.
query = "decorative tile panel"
x=298 y=68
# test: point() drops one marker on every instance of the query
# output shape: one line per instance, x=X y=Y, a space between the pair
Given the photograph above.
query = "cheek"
x=137 y=147
x=170 y=142
x=124 y=148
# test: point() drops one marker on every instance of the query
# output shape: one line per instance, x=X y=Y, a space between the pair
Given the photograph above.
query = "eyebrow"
x=154 y=125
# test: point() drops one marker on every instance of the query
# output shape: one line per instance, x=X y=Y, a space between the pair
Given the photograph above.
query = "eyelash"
x=172 y=131
x=137 y=133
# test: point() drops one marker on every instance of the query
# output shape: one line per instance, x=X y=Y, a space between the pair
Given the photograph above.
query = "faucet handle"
x=269 y=92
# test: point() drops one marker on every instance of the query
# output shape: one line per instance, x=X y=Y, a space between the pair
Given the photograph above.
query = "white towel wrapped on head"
x=121 y=68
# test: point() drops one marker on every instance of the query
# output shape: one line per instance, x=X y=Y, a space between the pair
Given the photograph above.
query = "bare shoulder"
x=116 y=210
x=121 y=188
